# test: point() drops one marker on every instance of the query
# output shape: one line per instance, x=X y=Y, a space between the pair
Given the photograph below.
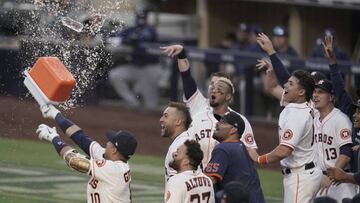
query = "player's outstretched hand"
x=172 y=50
x=328 y=45
x=263 y=63
x=49 y=111
x=46 y=133
x=265 y=43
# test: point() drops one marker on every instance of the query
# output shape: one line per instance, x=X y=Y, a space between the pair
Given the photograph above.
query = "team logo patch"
x=168 y=195
x=288 y=134
x=345 y=134
x=100 y=163
x=249 y=139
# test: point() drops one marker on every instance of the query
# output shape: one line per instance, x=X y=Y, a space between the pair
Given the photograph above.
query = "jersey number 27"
x=204 y=196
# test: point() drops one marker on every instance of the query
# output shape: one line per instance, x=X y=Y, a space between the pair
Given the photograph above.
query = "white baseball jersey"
x=176 y=143
x=189 y=186
x=296 y=132
x=330 y=134
x=110 y=180
x=203 y=126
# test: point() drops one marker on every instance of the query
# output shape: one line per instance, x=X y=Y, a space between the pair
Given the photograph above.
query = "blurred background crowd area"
x=119 y=62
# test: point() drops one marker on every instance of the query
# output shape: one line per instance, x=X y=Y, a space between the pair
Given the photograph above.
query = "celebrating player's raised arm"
x=71 y=157
x=68 y=127
x=281 y=72
x=189 y=83
x=343 y=97
x=271 y=84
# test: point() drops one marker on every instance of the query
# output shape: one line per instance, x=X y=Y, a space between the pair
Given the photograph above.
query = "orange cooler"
x=53 y=78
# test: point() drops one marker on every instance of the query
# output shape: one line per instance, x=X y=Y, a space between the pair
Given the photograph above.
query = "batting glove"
x=49 y=111
x=46 y=133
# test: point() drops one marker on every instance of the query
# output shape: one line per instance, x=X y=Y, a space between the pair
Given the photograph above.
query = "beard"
x=213 y=104
x=217 y=137
x=165 y=132
x=175 y=164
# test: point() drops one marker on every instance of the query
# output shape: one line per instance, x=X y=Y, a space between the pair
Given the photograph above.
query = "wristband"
x=263 y=159
x=182 y=54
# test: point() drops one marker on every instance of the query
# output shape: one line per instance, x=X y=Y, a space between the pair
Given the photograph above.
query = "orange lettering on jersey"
x=168 y=195
x=204 y=133
x=288 y=134
x=100 y=163
x=188 y=186
x=249 y=139
x=345 y=134
x=330 y=139
x=93 y=183
x=127 y=176
x=196 y=182
x=212 y=168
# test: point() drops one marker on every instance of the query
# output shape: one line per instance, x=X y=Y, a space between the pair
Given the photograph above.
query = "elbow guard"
x=77 y=161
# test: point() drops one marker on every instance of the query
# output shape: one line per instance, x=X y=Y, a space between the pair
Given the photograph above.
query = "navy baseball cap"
x=280 y=31
x=234 y=192
x=124 y=142
x=233 y=119
x=325 y=85
x=317 y=75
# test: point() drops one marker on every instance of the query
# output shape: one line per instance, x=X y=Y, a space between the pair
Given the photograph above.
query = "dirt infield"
x=19 y=119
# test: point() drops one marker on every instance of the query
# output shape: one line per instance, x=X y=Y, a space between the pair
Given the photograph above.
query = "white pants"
x=145 y=82
x=302 y=186
x=344 y=190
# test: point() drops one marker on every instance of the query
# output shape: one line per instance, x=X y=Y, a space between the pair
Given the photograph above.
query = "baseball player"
x=174 y=123
x=337 y=175
x=189 y=184
x=332 y=140
x=108 y=167
x=230 y=160
x=345 y=100
x=295 y=150
x=220 y=93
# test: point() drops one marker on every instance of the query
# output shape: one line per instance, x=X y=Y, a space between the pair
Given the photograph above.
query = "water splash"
x=74 y=32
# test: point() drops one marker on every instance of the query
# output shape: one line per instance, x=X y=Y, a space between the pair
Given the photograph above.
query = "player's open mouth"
x=285 y=92
x=213 y=97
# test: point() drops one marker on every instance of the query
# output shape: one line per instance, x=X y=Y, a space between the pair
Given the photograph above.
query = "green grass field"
x=32 y=172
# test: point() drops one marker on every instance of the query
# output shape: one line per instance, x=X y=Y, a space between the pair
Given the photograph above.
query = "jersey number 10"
x=95 y=197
